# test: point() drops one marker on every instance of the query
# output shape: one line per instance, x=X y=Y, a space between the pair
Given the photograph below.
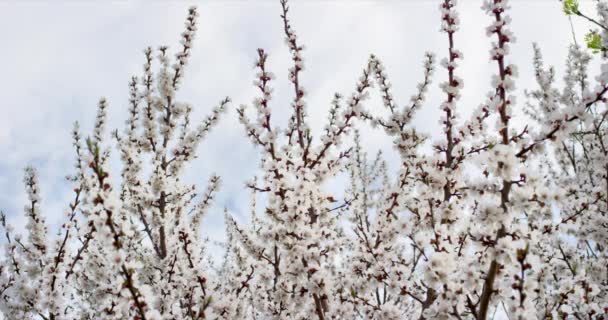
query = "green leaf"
x=93 y=147
x=594 y=42
x=570 y=7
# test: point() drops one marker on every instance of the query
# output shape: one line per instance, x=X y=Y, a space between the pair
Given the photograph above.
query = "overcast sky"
x=58 y=58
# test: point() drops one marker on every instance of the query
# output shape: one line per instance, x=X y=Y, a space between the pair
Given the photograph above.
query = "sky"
x=59 y=57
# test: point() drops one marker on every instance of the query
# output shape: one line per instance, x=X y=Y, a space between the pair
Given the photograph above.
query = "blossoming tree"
x=128 y=250
x=507 y=213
